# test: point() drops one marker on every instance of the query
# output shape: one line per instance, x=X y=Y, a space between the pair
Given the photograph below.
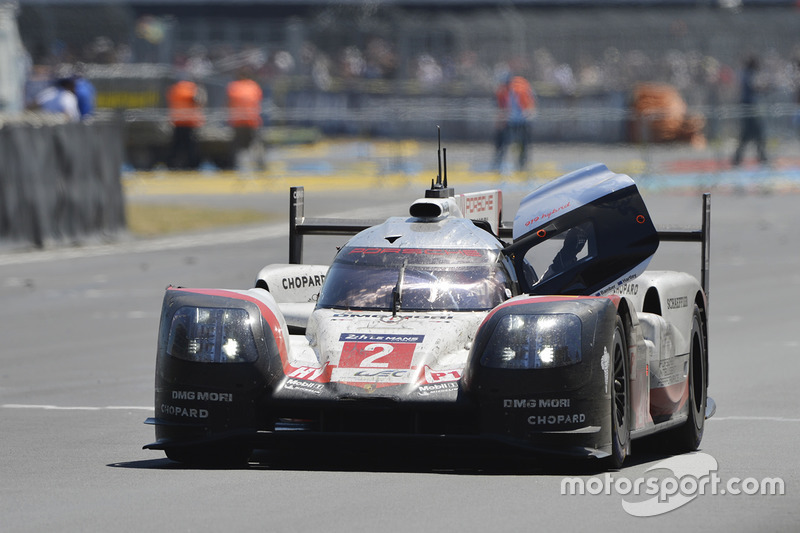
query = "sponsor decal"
x=482 y=202
x=389 y=337
x=611 y=289
x=439 y=376
x=626 y=289
x=311 y=373
x=389 y=319
x=678 y=303
x=533 y=403
x=175 y=410
x=305 y=386
x=202 y=396
x=669 y=371
x=550 y=420
x=546 y=216
x=371 y=375
x=605 y=362
x=300 y=282
x=436 y=388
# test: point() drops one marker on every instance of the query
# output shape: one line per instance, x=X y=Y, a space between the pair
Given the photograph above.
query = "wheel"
x=687 y=437
x=211 y=455
x=620 y=399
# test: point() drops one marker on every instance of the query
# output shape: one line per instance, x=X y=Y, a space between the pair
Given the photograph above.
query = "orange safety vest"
x=244 y=102
x=521 y=89
x=184 y=107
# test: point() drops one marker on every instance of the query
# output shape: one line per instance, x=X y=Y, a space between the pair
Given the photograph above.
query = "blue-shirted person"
x=86 y=94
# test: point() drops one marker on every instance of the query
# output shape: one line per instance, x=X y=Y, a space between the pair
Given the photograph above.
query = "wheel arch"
x=652 y=302
x=626 y=311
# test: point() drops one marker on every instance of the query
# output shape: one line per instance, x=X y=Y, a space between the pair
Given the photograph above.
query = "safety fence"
x=59 y=182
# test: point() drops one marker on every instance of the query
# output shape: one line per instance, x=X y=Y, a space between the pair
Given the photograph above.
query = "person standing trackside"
x=244 y=115
x=752 y=128
x=60 y=98
x=85 y=92
x=186 y=101
x=516 y=104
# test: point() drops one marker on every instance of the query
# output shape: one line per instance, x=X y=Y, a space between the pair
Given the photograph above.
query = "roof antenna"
x=439 y=189
x=444 y=155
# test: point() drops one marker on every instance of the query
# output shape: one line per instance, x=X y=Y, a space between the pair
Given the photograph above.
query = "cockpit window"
x=559 y=253
x=415 y=280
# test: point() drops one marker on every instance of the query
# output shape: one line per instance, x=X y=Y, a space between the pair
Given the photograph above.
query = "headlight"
x=534 y=341
x=212 y=335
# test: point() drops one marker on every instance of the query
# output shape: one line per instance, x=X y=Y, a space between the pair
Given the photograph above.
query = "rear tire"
x=620 y=398
x=687 y=437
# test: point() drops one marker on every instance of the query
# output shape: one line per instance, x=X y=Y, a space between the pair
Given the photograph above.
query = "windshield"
x=429 y=281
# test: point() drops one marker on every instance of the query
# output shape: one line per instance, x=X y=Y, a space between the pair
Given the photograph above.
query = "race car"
x=449 y=327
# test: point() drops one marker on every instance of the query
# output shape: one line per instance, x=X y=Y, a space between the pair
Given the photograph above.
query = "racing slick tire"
x=620 y=399
x=687 y=437
x=212 y=455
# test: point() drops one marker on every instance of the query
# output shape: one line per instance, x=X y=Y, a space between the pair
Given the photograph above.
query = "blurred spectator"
x=517 y=105
x=660 y=114
x=244 y=115
x=429 y=72
x=85 y=92
x=60 y=98
x=102 y=50
x=381 y=60
x=186 y=100
x=752 y=128
x=197 y=62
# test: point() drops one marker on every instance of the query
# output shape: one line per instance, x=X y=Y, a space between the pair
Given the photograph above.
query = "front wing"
x=205 y=396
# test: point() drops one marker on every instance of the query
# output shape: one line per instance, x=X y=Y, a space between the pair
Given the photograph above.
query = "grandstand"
x=389 y=67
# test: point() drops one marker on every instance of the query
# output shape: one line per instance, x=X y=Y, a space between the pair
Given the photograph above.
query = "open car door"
x=581 y=233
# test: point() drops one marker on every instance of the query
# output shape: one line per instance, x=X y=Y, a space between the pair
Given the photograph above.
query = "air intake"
x=428 y=208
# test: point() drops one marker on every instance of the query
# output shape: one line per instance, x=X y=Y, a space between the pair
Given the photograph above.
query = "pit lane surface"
x=78 y=329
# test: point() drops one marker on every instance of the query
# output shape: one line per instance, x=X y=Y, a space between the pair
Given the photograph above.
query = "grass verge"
x=152 y=220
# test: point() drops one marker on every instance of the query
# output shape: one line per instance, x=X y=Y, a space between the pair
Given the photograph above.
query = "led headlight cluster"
x=212 y=335
x=534 y=341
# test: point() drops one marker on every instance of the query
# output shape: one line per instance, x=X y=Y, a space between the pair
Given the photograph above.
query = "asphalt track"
x=78 y=328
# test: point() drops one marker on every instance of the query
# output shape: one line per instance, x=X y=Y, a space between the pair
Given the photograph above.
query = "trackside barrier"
x=59 y=182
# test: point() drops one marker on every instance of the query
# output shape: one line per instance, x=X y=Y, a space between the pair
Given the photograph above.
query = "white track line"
x=76 y=407
x=755 y=418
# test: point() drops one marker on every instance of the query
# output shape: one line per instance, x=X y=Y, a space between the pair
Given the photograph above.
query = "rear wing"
x=487 y=205
x=701 y=235
x=300 y=225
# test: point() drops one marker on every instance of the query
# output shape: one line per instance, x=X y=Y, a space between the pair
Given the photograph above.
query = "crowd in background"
x=698 y=75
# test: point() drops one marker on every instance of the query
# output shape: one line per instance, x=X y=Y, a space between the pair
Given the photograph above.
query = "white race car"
x=431 y=328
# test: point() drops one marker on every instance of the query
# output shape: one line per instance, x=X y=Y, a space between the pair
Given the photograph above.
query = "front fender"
x=561 y=404
x=211 y=374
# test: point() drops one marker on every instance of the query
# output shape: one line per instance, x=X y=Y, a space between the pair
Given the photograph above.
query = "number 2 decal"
x=377 y=355
x=383 y=349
